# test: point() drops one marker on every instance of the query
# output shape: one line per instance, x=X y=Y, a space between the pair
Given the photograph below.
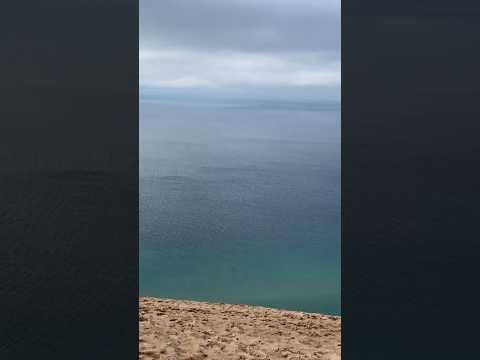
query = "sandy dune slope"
x=181 y=330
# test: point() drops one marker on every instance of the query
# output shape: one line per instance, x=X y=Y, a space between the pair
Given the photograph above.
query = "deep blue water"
x=241 y=204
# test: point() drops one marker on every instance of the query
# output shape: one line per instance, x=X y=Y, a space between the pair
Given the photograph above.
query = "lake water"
x=241 y=204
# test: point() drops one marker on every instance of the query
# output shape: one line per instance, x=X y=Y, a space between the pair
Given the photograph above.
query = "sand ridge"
x=191 y=330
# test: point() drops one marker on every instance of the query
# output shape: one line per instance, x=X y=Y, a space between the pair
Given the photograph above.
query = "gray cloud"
x=241 y=44
x=248 y=25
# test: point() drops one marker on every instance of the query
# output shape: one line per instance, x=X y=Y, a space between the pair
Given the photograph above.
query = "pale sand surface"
x=181 y=330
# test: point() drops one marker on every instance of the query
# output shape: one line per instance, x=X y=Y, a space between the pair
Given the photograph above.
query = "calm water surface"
x=241 y=205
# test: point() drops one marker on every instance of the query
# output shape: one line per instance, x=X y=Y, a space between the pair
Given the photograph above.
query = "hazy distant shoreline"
x=181 y=329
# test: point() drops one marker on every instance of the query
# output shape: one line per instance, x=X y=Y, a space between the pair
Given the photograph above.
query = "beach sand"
x=181 y=330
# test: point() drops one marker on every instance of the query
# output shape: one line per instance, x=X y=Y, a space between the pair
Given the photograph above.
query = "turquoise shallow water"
x=241 y=205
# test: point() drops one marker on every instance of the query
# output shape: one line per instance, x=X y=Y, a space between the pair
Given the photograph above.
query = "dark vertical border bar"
x=410 y=147
x=69 y=180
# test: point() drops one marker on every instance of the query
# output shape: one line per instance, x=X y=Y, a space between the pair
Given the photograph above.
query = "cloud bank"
x=242 y=47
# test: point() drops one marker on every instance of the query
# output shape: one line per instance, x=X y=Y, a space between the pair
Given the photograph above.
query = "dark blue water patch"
x=227 y=218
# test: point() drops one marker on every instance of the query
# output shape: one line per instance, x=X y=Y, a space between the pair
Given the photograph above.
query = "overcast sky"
x=241 y=48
